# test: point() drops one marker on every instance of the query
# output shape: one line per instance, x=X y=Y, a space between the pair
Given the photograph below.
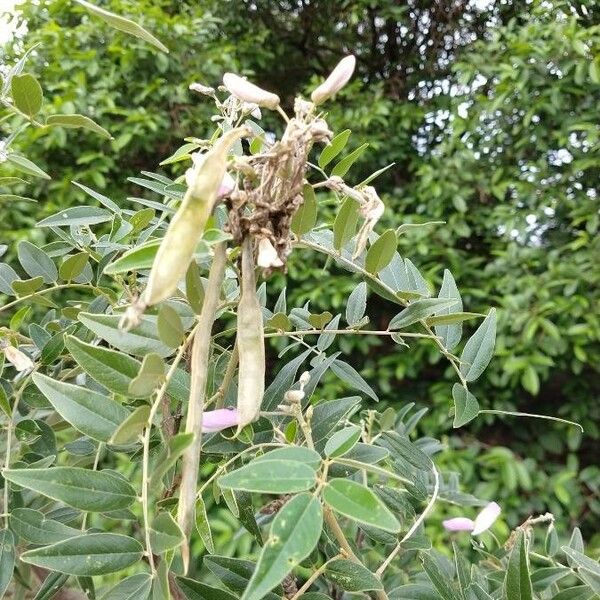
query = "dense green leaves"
x=94 y=491
x=87 y=555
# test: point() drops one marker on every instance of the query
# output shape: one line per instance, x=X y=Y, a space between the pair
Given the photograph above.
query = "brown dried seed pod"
x=183 y=234
x=250 y=342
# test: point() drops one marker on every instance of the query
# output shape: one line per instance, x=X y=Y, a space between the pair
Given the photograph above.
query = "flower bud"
x=19 y=360
x=248 y=92
x=267 y=255
x=338 y=78
x=304 y=379
x=202 y=89
x=294 y=396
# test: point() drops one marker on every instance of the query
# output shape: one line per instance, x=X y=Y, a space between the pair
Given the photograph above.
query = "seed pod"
x=183 y=234
x=337 y=79
x=248 y=92
x=250 y=342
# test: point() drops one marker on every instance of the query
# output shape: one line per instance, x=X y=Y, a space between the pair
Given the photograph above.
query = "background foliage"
x=489 y=115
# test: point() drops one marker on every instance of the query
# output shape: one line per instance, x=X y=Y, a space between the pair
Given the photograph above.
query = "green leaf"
x=381 y=252
x=337 y=144
x=517 y=583
x=91 y=413
x=165 y=534
x=344 y=226
x=466 y=407
x=150 y=377
x=194 y=290
x=131 y=428
x=344 y=165
x=359 y=503
x=136 y=259
x=76 y=121
x=203 y=525
x=235 y=574
x=357 y=304
x=270 y=477
x=7 y=559
x=15 y=198
x=194 y=590
x=342 y=441
x=26 y=166
x=107 y=202
x=33 y=527
x=401 y=447
x=124 y=24
x=73 y=266
x=320 y=321
x=76 y=216
x=589 y=569
x=24 y=287
x=305 y=217
x=293 y=535
x=36 y=262
x=326 y=417
x=27 y=94
x=87 y=555
x=7 y=277
x=450 y=333
x=93 y=491
x=170 y=327
x=296 y=453
x=352 y=577
x=418 y=310
x=139 y=341
x=136 y=587
x=479 y=349
x=51 y=585
x=439 y=579
x=352 y=377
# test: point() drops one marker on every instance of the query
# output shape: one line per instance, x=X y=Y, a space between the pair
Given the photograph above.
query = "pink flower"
x=248 y=92
x=459 y=524
x=483 y=521
x=337 y=79
x=217 y=420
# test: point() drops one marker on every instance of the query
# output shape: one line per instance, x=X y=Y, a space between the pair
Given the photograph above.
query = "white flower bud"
x=338 y=78
x=19 y=360
x=267 y=255
x=202 y=89
x=304 y=379
x=252 y=109
x=248 y=92
x=294 y=396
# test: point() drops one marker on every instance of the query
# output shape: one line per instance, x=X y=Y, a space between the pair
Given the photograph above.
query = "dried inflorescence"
x=270 y=190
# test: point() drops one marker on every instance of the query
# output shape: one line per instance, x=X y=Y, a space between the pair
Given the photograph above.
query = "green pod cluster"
x=184 y=232
x=250 y=342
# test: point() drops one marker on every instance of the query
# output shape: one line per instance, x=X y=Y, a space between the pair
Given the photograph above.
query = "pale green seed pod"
x=184 y=232
x=250 y=342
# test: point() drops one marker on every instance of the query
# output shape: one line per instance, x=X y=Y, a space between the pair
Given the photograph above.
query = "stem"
x=199 y=374
x=314 y=577
x=146 y=443
x=533 y=416
x=9 y=431
x=54 y=288
x=385 y=332
x=94 y=468
x=333 y=524
x=415 y=526
x=219 y=395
